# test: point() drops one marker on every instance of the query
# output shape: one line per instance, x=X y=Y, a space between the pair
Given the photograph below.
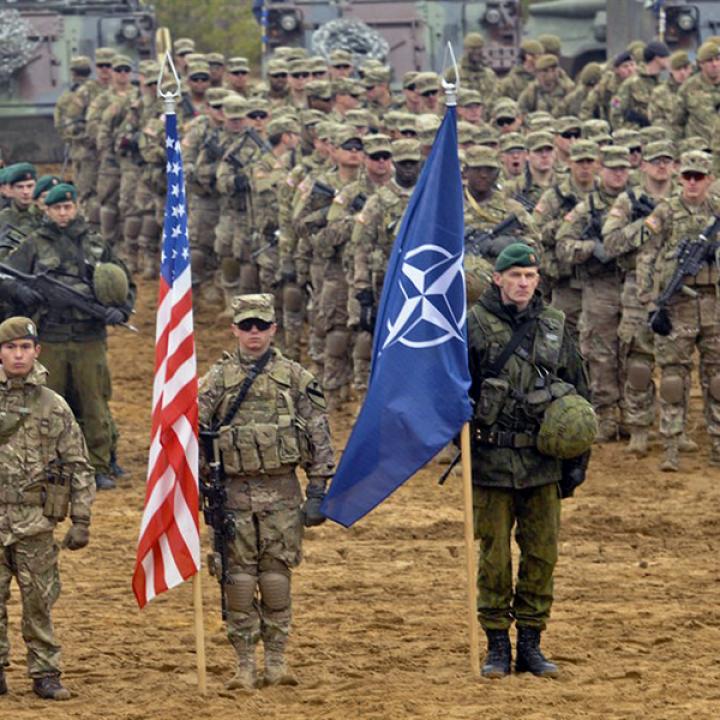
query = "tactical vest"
x=266 y=436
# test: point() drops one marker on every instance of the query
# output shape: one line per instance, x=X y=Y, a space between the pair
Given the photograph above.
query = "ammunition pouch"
x=56 y=493
x=494 y=393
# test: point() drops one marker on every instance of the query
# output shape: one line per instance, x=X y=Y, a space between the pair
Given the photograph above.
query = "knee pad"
x=672 y=389
x=149 y=227
x=108 y=220
x=275 y=590
x=249 y=281
x=363 y=346
x=229 y=271
x=336 y=343
x=639 y=375
x=131 y=227
x=292 y=297
x=714 y=387
x=240 y=591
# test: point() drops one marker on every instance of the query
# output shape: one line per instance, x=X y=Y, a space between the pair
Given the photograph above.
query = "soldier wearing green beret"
x=5 y=198
x=19 y=218
x=546 y=92
x=44 y=476
x=528 y=384
x=280 y=425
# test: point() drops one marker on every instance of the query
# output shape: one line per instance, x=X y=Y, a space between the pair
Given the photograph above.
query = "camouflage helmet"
x=110 y=284
x=568 y=428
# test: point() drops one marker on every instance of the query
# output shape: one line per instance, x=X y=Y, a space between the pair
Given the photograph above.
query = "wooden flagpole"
x=199 y=632
x=470 y=561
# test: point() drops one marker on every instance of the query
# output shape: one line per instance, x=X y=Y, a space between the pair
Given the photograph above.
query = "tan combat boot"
x=638 y=444
x=245 y=677
x=671 y=460
x=715 y=453
x=276 y=669
x=687 y=445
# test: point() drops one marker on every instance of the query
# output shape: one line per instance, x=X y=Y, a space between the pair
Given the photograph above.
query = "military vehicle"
x=37 y=40
x=417 y=31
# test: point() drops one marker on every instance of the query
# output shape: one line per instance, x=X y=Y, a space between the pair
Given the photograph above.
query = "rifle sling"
x=254 y=371
x=518 y=336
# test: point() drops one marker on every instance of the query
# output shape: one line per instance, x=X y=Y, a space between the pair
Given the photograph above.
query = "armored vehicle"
x=37 y=40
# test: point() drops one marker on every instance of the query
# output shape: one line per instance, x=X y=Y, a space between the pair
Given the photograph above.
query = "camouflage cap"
x=150 y=70
x=551 y=43
x=487 y=136
x=17 y=328
x=295 y=53
x=512 y=141
x=344 y=133
x=340 y=57
x=653 y=133
x=473 y=40
x=360 y=118
x=539 y=140
x=20 y=172
x=506 y=108
x=277 y=66
x=636 y=49
x=584 y=150
x=427 y=81
x=591 y=128
x=540 y=120
x=348 y=86
x=615 y=156
x=377 y=143
x=256 y=103
x=104 y=55
x=481 y=156
x=696 y=161
x=628 y=137
x=370 y=63
x=547 y=61
x=234 y=107
x=62 y=192
x=708 y=51
x=320 y=89
x=237 y=64
x=658 y=149
x=694 y=142
x=215 y=58
x=45 y=183
x=591 y=74
x=566 y=123
x=184 y=46
x=317 y=63
x=409 y=79
x=283 y=52
x=465 y=132
x=120 y=61
x=427 y=124
x=468 y=96
x=195 y=57
x=679 y=59
x=283 y=124
x=377 y=76
x=198 y=69
x=312 y=117
x=80 y=62
x=403 y=150
x=325 y=130
x=532 y=47
x=517 y=254
x=406 y=122
x=260 y=306
x=216 y=95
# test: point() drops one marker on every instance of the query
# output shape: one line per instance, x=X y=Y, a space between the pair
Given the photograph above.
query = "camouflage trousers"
x=129 y=213
x=108 y=197
x=567 y=298
x=266 y=545
x=337 y=370
x=32 y=561
x=203 y=216
x=696 y=323
x=535 y=513
x=316 y=343
x=85 y=173
x=79 y=372
x=599 y=342
x=637 y=350
x=242 y=247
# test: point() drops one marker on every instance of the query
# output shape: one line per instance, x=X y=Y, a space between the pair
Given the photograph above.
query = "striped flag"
x=168 y=550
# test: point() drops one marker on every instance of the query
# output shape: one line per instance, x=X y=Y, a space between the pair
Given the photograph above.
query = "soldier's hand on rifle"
x=78 y=536
x=241 y=184
x=367 y=309
x=600 y=253
x=114 y=316
x=311 y=508
x=26 y=295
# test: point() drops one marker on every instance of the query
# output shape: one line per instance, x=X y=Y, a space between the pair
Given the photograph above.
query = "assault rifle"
x=57 y=294
x=271 y=243
x=487 y=242
x=641 y=206
x=593 y=231
x=213 y=148
x=522 y=196
x=691 y=255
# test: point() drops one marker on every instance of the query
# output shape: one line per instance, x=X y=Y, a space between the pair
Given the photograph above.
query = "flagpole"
x=470 y=562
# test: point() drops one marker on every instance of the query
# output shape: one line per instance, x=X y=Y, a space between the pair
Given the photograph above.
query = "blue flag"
x=417 y=399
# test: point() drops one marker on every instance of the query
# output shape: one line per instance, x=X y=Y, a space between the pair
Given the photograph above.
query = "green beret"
x=17 y=328
x=20 y=172
x=516 y=255
x=551 y=43
x=63 y=192
x=708 y=51
x=44 y=183
x=545 y=62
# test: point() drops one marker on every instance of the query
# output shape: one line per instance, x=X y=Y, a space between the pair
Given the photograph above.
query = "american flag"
x=168 y=550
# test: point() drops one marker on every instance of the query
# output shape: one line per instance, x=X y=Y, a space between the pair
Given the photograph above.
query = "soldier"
x=580 y=244
x=513 y=84
x=507 y=116
x=298 y=77
x=597 y=103
x=19 y=218
x=341 y=65
x=664 y=97
x=319 y=94
x=238 y=75
x=44 y=184
x=470 y=106
x=65 y=116
x=517 y=477
x=377 y=90
x=694 y=320
x=45 y=473
x=182 y=47
x=474 y=73
x=629 y=108
x=280 y=424
x=277 y=75
x=193 y=102
x=349 y=95
x=588 y=79
x=74 y=341
x=216 y=61
x=539 y=172
x=546 y=92
x=567 y=131
x=513 y=156
x=412 y=102
x=427 y=85
x=699 y=97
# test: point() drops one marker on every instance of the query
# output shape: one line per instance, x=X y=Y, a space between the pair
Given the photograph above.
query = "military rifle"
x=57 y=294
x=641 y=206
x=482 y=242
x=567 y=202
x=522 y=196
x=593 y=231
x=691 y=255
x=274 y=238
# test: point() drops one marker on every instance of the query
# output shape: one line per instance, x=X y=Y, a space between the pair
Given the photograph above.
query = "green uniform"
x=513 y=84
x=535 y=98
x=630 y=107
x=696 y=108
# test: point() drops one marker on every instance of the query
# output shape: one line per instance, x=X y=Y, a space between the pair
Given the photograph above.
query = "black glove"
x=288 y=277
x=78 y=536
x=367 y=309
x=26 y=295
x=573 y=474
x=660 y=322
x=114 y=316
x=311 y=508
x=241 y=184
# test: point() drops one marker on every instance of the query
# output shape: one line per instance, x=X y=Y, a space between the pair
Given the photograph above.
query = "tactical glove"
x=26 y=295
x=367 y=309
x=113 y=316
x=288 y=277
x=78 y=536
x=573 y=474
x=599 y=253
x=311 y=509
x=241 y=184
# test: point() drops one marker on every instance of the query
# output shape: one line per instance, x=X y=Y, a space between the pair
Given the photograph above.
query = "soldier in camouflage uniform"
x=580 y=245
x=280 y=425
x=513 y=84
x=474 y=72
x=513 y=483
x=694 y=320
x=39 y=441
x=664 y=97
x=277 y=74
x=546 y=92
x=597 y=103
x=539 y=172
x=65 y=116
x=377 y=89
x=588 y=79
x=20 y=217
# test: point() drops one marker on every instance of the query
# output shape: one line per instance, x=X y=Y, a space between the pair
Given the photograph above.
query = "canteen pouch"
x=494 y=393
x=288 y=445
x=239 y=452
x=266 y=438
x=56 y=493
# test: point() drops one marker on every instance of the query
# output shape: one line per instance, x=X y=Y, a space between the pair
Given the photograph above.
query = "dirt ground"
x=380 y=617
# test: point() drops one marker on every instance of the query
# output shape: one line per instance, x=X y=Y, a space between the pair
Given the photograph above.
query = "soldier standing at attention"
x=533 y=428
x=44 y=473
x=279 y=425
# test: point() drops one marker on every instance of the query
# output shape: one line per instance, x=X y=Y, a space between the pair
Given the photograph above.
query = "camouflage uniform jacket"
x=70 y=254
x=526 y=186
x=26 y=220
x=662 y=103
x=110 y=128
x=281 y=424
x=547 y=352
x=76 y=114
x=534 y=98
x=513 y=84
x=597 y=103
x=630 y=107
x=202 y=150
x=574 y=100
x=476 y=77
x=696 y=108
x=45 y=430
x=68 y=114
x=99 y=104
x=239 y=154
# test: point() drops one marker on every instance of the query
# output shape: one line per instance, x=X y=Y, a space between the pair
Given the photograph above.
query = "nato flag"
x=417 y=399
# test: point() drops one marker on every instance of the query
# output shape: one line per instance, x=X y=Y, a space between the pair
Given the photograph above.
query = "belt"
x=505 y=438
x=12 y=496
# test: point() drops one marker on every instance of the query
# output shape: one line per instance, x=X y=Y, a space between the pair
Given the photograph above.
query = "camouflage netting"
x=16 y=49
x=351 y=35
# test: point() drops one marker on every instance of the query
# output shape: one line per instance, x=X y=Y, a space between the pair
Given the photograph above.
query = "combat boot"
x=3 y=683
x=103 y=481
x=49 y=687
x=638 y=444
x=116 y=469
x=715 y=453
x=245 y=678
x=529 y=657
x=499 y=655
x=276 y=669
x=671 y=459
x=687 y=445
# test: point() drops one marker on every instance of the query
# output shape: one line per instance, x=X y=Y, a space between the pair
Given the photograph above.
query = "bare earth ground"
x=380 y=629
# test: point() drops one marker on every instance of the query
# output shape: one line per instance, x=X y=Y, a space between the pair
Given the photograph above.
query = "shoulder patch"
x=315 y=394
x=652 y=223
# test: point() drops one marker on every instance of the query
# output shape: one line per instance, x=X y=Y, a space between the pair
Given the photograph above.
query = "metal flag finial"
x=449 y=87
x=172 y=96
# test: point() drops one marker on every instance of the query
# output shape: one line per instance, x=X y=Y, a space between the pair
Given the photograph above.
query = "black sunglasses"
x=300 y=74
x=279 y=74
x=238 y=72
x=352 y=145
x=200 y=78
x=408 y=133
x=382 y=155
x=570 y=134
x=257 y=115
x=344 y=66
x=504 y=121
x=319 y=73
x=103 y=65
x=122 y=69
x=693 y=175
x=249 y=323
x=635 y=149
x=429 y=93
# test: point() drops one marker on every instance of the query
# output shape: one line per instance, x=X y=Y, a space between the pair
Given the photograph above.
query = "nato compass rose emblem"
x=432 y=293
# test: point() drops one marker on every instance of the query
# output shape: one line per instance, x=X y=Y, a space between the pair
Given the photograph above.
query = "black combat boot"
x=529 y=657
x=3 y=683
x=103 y=481
x=115 y=469
x=498 y=658
x=49 y=687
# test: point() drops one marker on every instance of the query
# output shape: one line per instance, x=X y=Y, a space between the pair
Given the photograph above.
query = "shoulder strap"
x=518 y=336
x=254 y=371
